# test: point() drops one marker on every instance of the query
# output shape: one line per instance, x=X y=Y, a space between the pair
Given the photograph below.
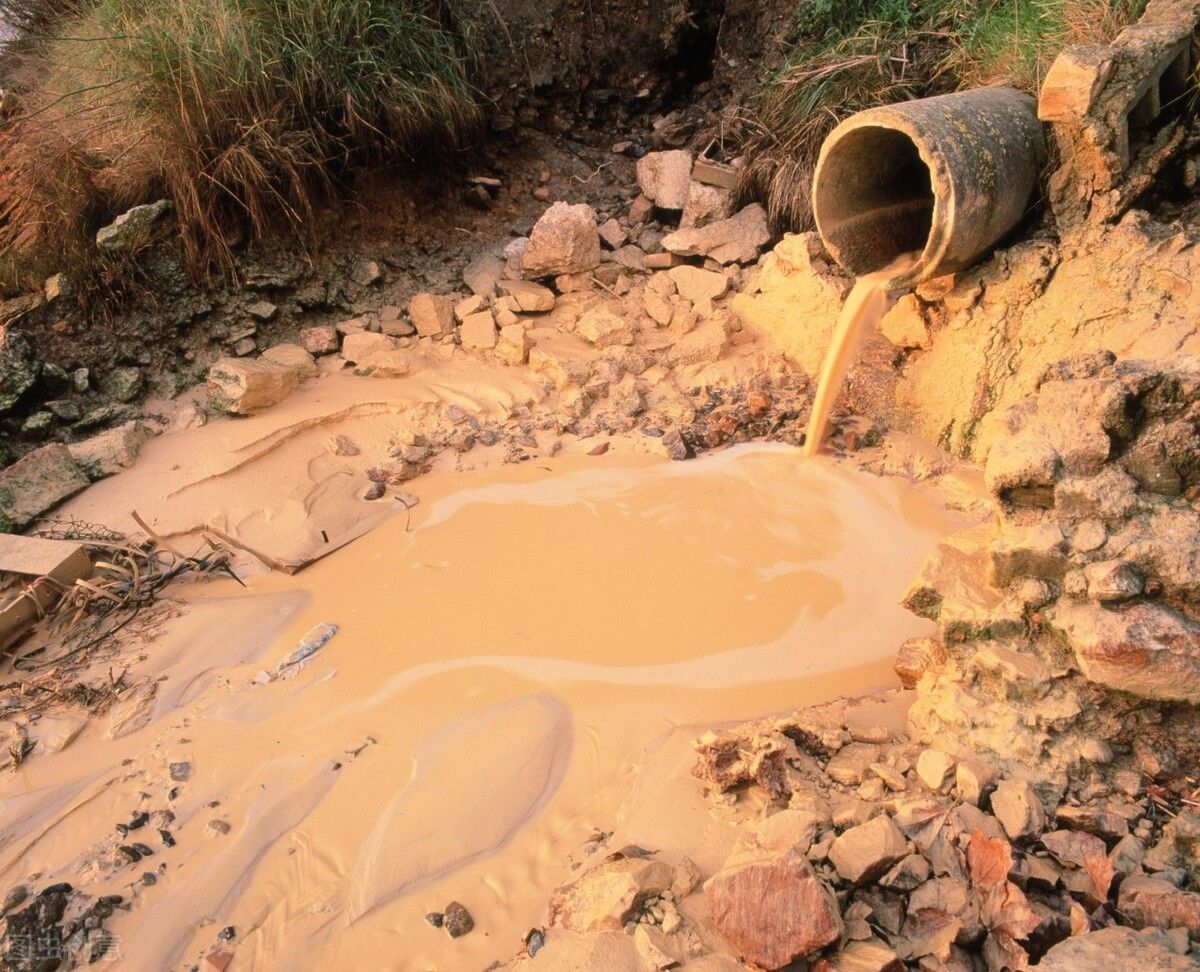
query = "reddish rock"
x=774 y=910
x=1154 y=903
x=917 y=656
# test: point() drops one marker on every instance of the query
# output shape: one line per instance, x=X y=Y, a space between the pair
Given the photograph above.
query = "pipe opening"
x=875 y=200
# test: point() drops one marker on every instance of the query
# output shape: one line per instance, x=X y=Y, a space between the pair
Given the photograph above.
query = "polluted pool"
x=488 y=678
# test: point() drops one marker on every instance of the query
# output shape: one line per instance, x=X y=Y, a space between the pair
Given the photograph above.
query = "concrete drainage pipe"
x=945 y=176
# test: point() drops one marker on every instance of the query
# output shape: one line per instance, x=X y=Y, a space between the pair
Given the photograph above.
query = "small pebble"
x=457 y=920
x=435 y=918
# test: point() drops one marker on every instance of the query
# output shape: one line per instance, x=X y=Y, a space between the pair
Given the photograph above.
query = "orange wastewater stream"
x=506 y=658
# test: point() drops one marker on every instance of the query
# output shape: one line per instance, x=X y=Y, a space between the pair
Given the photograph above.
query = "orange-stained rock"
x=773 y=910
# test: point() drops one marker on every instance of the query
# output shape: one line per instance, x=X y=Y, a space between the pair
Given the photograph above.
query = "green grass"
x=248 y=114
x=851 y=56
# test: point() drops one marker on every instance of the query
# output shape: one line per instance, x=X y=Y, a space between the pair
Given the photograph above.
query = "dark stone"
x=435 y=918
x=457 y=920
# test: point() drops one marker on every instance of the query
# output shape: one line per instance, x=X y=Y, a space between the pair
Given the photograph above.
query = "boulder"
x=1146 y=649
x=665 y=178
x=565 y=240
x=868 y=851
x=36 y=483
x=109 y=452
x=1149 y=902
x=607 y=896
x=1115 y=948
x=246 y=385
x=773 y=910
x=432 y=315
x=359 y=347
x=133 y=229
x=735 y=240
x=483 y=273
x=292 y=356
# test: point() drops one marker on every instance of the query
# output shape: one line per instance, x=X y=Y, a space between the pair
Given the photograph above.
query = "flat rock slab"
x=36 y=483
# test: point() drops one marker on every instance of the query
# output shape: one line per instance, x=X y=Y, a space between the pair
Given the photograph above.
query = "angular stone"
x=910 y=873
x=1109 y=581
x=564 y=240
x=109 y=452
x=934 y=768
x=1093 y=820
x=1016 y=805
x=605 y=897
x=973 y=780
x=483 y=273
x=245 y=385
x=1115 y=948
x=916 y=657
x=906 y=324
x=602 y=328
x=321 y=339
x=1037 y=550
x=19 y=369
x=788 y=829
x=36 y=483
x=735 y=240
x=706 y=204
x=261 y=310
x=699 y=286
x=665 y=177
x=849 y=764
x=132 y=229
x=530 y=297
x=1073 y=81
x=123 y=384
x=1149 y=902
x=359 y=347
x=611 y=234
x=710 y=173
x=1147 y=649
x=292 y=356
x=1179 y=846
x=866 y=852
x=773 y=910
x=431 y=314
x=513 y=344
x=478 y=330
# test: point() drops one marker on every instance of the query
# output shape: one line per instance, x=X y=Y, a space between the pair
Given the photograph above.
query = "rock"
x=109 y=452
x=934 y=767
x=706 y=204
x=38 y=426
x=973 y=780
x=179 y=772
x=123 y=384
x=246 y=385
x=849 y=764
x=665 y=177
x=531 y=298
x=478 y=330
x=482 y=274
x=1104 y=824
x=734 y=240
x=788 y=829
x=1016 y=805
x=565 y=240
x=602 y=328
x=866 y=852
x=1148 y=902
x=133 y=229
x=81 y=379
x=773 y=910
x=261 y=310
x=906 y=324
x=701 y=287
x=1147 y=649
x=1022 y=469
x=513 y=344
x=366 y=273
x=321 y=339
x=36 y=483
x=1037 y=550
x=703 y=344
x=1179 y=846
x=19 y=370
x=359 y=348
x=872 y=955
x=1112 y=580
x=393 y=323
x=292 y=356
x=457 y=920
x=910 y=873
x=606 y=896
x=53 y=734
x=58 y=287
x=612 y=235
x=431 y=315
x=1115 y=948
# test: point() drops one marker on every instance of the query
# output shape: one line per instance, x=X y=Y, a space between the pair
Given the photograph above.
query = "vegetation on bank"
x=853 y=54
x=245 y=113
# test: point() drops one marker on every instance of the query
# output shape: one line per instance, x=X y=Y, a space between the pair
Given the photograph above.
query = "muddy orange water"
x=865 y=306
x=509 y=660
